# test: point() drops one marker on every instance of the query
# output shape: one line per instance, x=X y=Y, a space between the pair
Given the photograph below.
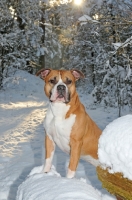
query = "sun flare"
x=78 y=2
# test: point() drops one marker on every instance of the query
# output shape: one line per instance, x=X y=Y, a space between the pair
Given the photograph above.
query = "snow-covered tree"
x=114 y=66
x=59 y=32
x=94 y=38
x=20 y=35
x=52 y=44
x=85 y=49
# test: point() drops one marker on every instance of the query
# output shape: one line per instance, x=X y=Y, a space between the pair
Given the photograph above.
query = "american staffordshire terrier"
x=66 y=123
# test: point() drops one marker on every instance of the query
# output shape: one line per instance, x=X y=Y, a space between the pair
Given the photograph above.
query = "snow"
x=117 y=45
x=22 y=109
x=115 y=146
x=52 y=186
x=21 y=133
x=122 y=45
x=85 y=18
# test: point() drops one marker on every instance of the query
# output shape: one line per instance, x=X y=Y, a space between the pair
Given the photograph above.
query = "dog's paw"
x=70 y=174
x=52 y=171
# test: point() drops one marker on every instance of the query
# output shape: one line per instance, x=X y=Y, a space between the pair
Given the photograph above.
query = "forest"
x=94 y=36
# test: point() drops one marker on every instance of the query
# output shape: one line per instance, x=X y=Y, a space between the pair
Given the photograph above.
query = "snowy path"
x=21 y=145
x=22 y=110
x=21 y=132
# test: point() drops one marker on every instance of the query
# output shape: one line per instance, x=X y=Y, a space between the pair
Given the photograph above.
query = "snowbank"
x=51 y=186
x=22 y=110
x=22 y=81
x=115 y=147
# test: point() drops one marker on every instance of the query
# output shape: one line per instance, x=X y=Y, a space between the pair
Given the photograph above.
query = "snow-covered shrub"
x=115 y=156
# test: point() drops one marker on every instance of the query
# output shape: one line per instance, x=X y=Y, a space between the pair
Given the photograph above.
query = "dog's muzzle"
x=61 y=89
x=60 y=93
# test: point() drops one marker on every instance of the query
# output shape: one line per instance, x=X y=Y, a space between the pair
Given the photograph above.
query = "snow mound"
x=51 y=186
x=22 y=86
x=21 y=80
x=115 y=147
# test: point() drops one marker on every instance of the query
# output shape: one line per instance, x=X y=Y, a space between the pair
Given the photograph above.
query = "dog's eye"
x=52 y=81
x=68 y=82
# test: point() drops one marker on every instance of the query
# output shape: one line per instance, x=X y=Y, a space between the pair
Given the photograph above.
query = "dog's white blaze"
x=48 y=163
x=91 y=160
x=57 y=127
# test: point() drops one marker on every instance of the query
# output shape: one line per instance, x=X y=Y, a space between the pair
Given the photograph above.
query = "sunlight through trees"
x=71 y=34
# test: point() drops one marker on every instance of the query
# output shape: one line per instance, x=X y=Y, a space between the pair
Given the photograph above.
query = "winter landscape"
x=93 y=36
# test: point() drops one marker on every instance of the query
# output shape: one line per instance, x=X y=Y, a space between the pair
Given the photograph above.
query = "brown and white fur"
x=66 y=123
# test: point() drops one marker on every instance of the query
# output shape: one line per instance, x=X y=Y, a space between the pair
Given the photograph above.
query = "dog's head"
x=60 y=84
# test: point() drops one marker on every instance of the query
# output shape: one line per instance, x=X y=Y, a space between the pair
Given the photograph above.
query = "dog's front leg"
x=49 y=152
x=75 y=151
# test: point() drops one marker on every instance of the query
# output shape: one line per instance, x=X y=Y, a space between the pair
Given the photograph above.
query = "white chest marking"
x=57 y=127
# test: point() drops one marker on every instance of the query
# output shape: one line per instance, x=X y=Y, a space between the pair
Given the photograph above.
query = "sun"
x=77 y=2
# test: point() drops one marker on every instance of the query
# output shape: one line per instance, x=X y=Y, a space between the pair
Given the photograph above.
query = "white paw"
x=46 y=168
x=70 y=174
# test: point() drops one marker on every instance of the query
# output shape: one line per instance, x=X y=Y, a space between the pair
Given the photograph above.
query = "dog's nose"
x=61 y=87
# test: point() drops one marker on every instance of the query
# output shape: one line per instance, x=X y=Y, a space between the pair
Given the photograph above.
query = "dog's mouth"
x=60 y=98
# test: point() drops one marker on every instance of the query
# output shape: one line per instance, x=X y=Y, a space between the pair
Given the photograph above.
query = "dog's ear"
x=77 y=74
x=43 y=73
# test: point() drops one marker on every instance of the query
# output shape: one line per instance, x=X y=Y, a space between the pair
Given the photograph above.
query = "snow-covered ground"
x=22 y=110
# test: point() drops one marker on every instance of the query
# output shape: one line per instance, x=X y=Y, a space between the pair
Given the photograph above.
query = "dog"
x=66 y=123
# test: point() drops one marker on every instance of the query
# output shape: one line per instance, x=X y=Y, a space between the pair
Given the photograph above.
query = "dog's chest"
x=57 y=127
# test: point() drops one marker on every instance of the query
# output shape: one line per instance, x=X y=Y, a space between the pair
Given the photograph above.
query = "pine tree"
x=113 y=89
x=20 y=36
